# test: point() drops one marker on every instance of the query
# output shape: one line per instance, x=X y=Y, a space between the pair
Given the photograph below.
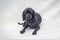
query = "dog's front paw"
x=34 y=33
x=22 y=32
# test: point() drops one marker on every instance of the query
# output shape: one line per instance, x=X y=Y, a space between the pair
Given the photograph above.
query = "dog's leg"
x=25 y=27
x=36 y=29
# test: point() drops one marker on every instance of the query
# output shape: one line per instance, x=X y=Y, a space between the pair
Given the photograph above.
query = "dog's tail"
x=20 y=23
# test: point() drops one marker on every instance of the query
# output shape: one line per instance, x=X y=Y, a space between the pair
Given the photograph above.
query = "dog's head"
x=28 y=13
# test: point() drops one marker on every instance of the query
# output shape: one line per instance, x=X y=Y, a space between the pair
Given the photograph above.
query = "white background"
x=11 y=13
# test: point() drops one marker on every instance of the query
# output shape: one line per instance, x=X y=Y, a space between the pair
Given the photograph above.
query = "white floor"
x=11 y=13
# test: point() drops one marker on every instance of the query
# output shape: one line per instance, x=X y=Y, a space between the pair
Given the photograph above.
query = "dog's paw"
x=34 y=33
x=18 y=23
x=22 y=32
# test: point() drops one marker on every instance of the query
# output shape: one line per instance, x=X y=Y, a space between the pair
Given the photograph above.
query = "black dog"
x=32 y=20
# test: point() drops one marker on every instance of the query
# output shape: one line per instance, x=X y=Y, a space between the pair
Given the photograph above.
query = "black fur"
x=32 y=23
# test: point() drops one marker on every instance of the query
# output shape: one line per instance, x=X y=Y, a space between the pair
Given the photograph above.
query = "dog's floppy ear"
x=23 y=15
